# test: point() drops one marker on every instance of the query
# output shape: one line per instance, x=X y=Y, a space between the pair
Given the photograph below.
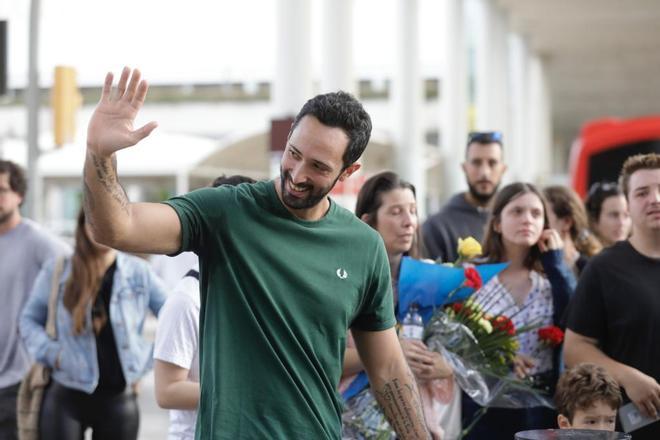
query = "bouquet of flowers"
x=430 y=287
x=480 y=341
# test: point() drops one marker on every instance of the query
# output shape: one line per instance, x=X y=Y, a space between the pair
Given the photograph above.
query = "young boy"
x=587 y=397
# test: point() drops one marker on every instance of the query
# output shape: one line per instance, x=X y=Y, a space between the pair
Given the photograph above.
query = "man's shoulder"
x=209 y=201
x=353 y=226
x=242 y=192
x=456 y=204
x=39 y=238
x=616 y=254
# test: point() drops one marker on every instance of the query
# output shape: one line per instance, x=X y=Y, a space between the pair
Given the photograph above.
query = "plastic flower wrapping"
x=479 y=345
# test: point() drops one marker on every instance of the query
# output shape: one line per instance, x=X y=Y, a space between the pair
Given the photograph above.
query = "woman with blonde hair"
x=100 y=354
x=568 y=217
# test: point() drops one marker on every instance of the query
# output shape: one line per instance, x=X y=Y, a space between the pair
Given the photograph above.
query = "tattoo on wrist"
x=402 y=406
x=106 y=174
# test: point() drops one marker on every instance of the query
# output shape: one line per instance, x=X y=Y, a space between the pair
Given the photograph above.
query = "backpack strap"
x=51 y=327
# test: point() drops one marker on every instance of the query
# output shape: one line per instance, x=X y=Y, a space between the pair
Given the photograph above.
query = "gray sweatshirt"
x=457 y=219
x=23 y=251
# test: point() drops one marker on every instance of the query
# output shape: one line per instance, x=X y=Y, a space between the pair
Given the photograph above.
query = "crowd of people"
x=292 y=296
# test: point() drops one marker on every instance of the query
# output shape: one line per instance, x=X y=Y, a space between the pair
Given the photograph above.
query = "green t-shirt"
x=278 y=295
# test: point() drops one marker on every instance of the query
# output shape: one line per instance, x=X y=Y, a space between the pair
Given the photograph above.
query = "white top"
x=537 y=308
x=172 y=269
x=177 y=339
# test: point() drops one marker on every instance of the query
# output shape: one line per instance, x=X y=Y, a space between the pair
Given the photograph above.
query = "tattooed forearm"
x=106 y=174
x=402 y=406
x=88 y=203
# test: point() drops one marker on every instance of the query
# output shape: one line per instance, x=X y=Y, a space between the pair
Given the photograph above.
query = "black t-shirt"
x=617 y=302
x=111 y=377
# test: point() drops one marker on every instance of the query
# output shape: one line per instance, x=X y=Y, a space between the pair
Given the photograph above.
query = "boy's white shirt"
x=177 y=339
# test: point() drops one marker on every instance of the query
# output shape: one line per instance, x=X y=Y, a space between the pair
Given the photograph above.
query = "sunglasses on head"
x=485 y=137
x=602 y=187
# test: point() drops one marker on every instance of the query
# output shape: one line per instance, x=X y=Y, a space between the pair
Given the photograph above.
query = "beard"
x=482 y=197
x=5 y=216
x=313 y=197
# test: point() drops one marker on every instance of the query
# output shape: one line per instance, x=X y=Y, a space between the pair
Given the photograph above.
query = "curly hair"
x=341 y=110
x=580 y=387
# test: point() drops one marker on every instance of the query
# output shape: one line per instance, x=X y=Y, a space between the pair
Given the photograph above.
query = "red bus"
x=604 y=144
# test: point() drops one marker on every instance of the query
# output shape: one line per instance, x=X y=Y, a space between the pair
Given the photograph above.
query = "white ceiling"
x=602 y=57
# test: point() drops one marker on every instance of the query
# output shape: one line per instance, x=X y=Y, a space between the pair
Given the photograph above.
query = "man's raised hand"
x=111 y=125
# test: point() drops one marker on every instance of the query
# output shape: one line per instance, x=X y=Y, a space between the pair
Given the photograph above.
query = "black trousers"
x=8 y=412
x=67 y=413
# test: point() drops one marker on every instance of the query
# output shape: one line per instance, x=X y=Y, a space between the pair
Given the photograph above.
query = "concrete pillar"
x=539 y=133
x=292 y=85
x=182 y=182
x=516 y=147
x=453 y=95
x=488 y=28
x=337 y=54
x=407 y=101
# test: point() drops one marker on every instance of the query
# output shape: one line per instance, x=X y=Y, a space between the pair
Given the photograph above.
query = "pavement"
x=154 y=421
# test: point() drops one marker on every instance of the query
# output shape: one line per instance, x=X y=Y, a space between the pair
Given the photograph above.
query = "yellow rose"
x=486 y=325
x=468 y=248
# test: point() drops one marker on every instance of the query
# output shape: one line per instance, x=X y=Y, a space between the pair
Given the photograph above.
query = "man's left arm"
x=392 y=382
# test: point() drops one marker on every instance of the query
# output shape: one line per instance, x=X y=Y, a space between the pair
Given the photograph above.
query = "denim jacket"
x=135 y=289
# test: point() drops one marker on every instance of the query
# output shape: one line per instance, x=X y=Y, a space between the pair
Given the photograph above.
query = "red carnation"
x=551 y=336
x=504 y=324
x=457 y=307
x=472 y=278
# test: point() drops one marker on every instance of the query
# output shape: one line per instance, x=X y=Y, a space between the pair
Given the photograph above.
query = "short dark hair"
x=370 y=199
x=17 y=180
x=580 y=387
x=484 y=138
x=634 y=163
x=341 y=110
x=234 y=180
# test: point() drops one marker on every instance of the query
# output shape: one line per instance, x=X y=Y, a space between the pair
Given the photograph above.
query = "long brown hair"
x=370 y=199
x=566 y=204
x=84 y=282
x=493 y=248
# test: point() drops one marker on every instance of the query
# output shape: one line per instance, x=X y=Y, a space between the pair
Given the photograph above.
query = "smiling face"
x=522 y=221
x=614 y=221
x=396 y=220
x=644 y=200
x=311 y=165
